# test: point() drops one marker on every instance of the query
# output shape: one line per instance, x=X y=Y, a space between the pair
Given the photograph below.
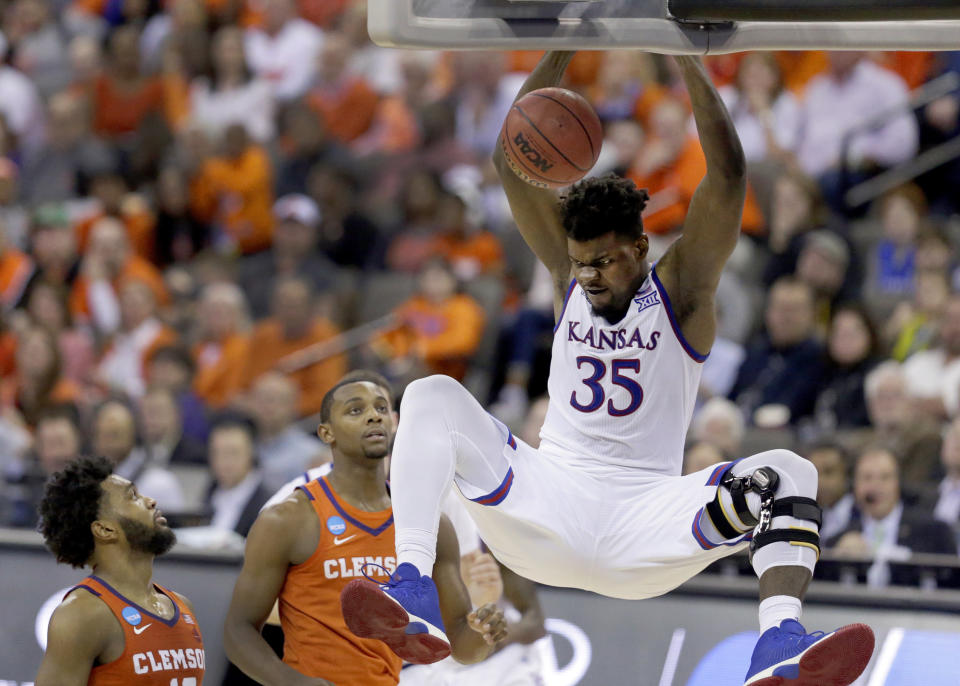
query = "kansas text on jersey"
x=621 y=394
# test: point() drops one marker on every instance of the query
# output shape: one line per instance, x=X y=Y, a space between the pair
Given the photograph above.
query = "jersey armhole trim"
x=674 y=324
x=566 y=299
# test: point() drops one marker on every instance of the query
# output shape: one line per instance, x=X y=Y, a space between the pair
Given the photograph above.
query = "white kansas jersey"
x=621 y=394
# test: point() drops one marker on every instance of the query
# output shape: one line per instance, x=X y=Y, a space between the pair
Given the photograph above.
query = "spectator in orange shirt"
x=110 y=190
x=471 y=251
x=123 y=96
x=223 y=349
x=16 y=268
x=108 y=264
x=294 y=327
x=36 y=382
x=234 y=193
x=346 y=102
x=440 y=328
x=671 y=166
x=141 y=333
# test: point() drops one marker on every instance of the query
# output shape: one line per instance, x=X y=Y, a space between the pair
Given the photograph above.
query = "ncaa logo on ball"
x=131 y=616
x=336 y=525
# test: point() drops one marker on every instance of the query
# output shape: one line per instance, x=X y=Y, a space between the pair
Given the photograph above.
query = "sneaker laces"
x=389 y=583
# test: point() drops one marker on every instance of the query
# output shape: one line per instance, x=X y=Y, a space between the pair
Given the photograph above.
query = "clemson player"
x=117 y=627
x=303 y=551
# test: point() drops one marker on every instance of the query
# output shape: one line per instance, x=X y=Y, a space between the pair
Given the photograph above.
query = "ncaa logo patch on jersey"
x=647 y=299
x=336 y=525
x=131 y=616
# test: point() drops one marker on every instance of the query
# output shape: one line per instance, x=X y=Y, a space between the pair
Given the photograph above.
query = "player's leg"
x=444 y=433
x=773 y=494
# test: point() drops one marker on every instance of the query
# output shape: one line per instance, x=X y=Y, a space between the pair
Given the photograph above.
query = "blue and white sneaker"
x=404 y=613
x=788 y=655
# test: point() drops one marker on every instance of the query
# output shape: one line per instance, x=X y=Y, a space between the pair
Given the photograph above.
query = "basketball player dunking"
x=304 y=550
x=117 y=627
x=601 y=504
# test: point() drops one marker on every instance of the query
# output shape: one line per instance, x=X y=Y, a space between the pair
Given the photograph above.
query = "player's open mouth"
x=375 y=434
x=596 y=291
x=158 y=517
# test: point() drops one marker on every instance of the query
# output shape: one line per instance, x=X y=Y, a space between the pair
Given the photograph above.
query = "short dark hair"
x=231 y=419
x=176 y=354
x=61 y=411
x=598 y=205
x=825 y=444
x=71 y=503
x=356 y=376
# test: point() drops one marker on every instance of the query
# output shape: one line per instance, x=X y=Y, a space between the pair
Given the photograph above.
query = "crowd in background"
x=202 y=200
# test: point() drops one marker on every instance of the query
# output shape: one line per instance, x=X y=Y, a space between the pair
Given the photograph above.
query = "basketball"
x=551 y=137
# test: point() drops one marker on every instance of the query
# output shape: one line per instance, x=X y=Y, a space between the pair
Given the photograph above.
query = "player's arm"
x=536 y=210
x=472 y=635
x=691 y=268
x=79 y=632
x=271 y=548
x=522 y=594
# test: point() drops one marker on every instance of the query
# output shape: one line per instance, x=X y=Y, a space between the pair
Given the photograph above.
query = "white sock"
x=418 y=547
x=777 y=608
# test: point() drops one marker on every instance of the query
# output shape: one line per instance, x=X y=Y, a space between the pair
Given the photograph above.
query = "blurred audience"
x=896 y=422
x=933 y=376
x=237 y=492
x=285 y=450
x=882 y=527
x=719 y=423
x=439 y=327
x=852 y=351
x=163 y=436
x=223 y=345
x=947 y=508
x=172 y=368
x=57 y=440
x=781 y=370
x=116 y=436
x=291 y=341
x=842 y=102
x=293 y=253
x=833 y=487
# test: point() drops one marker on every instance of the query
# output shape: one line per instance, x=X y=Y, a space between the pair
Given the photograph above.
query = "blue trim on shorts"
x=496 y=496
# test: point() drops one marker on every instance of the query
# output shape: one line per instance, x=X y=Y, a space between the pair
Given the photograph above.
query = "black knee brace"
x=764 y=482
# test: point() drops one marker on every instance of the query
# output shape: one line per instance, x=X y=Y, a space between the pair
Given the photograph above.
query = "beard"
x=155 y=540
x=614 y=312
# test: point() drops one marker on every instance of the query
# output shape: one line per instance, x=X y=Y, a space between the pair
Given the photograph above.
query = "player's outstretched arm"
x=80 y=629
x=472 y=635
x=272 y=546
x=535 y=210
x=522 y=594
x=691 y=268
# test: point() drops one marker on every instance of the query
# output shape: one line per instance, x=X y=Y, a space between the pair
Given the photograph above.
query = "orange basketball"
x=551 y=137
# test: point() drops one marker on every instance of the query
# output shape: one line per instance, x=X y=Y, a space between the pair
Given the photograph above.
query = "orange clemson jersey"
x=157 y=651
x=317 y=641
